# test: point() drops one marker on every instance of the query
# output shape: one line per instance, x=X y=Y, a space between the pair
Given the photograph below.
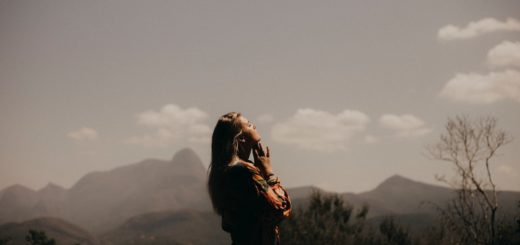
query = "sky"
x=345 y=93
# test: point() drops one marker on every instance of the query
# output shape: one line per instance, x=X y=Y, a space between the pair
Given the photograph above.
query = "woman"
x=246 y=194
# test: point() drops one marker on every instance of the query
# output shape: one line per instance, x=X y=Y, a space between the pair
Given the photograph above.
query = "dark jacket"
x=254 y=206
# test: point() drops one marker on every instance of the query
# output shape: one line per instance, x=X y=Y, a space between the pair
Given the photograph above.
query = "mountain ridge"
x=103 y=200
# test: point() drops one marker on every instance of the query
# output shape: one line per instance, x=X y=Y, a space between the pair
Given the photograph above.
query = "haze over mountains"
x=102 y=200
x=157 y=201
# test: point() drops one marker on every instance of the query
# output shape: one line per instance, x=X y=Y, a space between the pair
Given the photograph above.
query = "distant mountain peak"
x=187 y=155
x=51 y=187
x=397 y=180
x=186 y=151
x=17 y=188
x=398 y=184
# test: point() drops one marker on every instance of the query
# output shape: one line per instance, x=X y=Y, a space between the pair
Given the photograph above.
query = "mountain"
x=16 y=203
x=52 y=192
x=100 y=201
x=303 y=191
x=168 y=199
x=50 y=200
x=398 y=195
x=63 y=232
x=172 y=227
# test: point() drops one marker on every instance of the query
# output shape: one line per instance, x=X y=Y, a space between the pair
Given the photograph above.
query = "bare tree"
x=470 y=145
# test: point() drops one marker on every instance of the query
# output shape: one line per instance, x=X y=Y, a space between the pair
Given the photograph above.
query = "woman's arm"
x=274 y=200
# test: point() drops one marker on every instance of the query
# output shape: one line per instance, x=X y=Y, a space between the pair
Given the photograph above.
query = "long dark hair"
x=224 y=147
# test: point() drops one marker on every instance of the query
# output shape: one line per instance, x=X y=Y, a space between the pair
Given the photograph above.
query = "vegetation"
x=39 y=238
x=33 y=237
x=393 y=233
x=329 y=220
x=4 y=240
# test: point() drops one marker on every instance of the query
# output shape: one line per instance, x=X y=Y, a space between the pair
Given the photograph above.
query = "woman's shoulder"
x=243 y=167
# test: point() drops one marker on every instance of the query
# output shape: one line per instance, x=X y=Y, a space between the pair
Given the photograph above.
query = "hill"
x=397 y=196
x=100 y=201
x=166 y=200
x=62 y=231
x=400 y=195
x=172 y=227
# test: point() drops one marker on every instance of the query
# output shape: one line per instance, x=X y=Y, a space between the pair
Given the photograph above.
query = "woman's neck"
x=244 y=152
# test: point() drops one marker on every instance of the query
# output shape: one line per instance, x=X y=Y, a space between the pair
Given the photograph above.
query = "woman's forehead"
x=243 y=120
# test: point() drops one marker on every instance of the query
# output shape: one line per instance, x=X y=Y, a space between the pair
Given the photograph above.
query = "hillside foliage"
x=330 y=220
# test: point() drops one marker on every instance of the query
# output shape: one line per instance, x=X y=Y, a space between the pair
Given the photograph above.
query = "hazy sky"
x=345 y=93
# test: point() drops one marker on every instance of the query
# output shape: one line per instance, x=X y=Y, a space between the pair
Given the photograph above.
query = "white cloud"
x=477 y=28
x=320 y=130
x=265 y=118
x=483 y=89
x=173 y=124
x=404 y=125
x=505 y=54
x=83 y=133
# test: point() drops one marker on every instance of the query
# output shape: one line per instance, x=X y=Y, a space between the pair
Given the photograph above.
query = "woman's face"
x=250 y=135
